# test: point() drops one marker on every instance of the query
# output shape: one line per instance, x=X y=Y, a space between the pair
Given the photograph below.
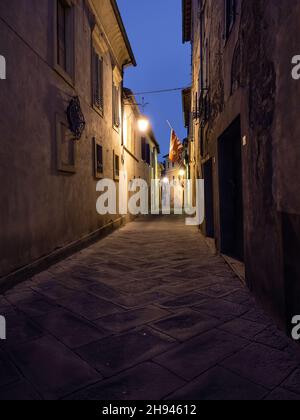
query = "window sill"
x=99 y=176
x=67 y=78
x=98 y=110
x=131 y=154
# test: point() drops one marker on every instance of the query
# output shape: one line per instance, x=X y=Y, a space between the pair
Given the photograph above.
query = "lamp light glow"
x=143 y=124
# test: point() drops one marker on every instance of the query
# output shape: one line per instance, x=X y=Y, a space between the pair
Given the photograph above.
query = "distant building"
x=243 y=123
x=141 y=150
x=174 y=173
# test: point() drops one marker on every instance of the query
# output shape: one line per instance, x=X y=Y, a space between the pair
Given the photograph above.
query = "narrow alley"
x=147 y=313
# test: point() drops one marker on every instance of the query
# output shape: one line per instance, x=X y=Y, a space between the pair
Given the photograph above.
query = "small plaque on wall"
x=98 y=159
x=65 y=147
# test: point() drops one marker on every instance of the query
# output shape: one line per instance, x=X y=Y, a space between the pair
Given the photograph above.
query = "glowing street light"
x=181 y=173
x=143 y=124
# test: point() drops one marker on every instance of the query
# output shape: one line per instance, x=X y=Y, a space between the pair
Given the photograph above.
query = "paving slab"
x=89 y=306
x=19 y=329
x=8 y=372
x=20 y=391
x=131 y=319
x=280 y=394
x=70 y=329
x=201 y=353
x=186 y=324
x=293 y=382
x=52 y=368
x=219 y=384
x=262 y=365
x=243 y=328
x=134 y=385
x=115 y=354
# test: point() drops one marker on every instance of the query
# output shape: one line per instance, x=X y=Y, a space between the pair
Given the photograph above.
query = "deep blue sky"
x=154 y=28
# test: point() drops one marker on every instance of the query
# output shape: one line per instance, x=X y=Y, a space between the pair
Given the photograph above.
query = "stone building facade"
x=61 y=125
x=141 y=150
x=248 y=145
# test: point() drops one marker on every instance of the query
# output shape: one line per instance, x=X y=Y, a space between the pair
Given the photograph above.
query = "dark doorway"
x=231 y=192
x=209 y=199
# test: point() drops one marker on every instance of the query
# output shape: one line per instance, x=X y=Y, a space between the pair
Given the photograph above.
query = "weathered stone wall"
x=42 y=210
x=250 y=76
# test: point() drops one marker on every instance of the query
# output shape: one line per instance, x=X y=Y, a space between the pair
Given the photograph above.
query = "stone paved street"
x=147 y=313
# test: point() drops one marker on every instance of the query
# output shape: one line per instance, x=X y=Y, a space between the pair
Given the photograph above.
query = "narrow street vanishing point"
x=139 y=315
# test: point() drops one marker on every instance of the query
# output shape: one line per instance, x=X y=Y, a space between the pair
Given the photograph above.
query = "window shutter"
x=97 y=80
x=101 y=81
x=144 y=149
x=116 y=118
x=148 y=155
x=99 y=152
x=61 y=35
x=117 y=109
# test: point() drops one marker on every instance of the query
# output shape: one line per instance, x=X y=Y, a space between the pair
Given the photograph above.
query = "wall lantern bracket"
x=76 y=118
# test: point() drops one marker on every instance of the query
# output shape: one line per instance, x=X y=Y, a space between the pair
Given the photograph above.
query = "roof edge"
x=123 y=30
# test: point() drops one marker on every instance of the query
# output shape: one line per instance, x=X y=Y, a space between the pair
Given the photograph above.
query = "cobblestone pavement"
x=147 y=313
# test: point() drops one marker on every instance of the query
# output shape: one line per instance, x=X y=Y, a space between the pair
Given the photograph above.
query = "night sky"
x=154 y=28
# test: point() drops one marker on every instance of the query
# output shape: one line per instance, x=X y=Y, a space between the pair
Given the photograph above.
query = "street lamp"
x=143 y=124
x=181 y=173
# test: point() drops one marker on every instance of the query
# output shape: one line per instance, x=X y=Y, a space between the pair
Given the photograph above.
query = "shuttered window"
x=143 y=142
x=99 y=158
x=61 y=34
x=98 y=96
x=65 y=36
x=116 y=166
x=148 y=154
x=116 y=106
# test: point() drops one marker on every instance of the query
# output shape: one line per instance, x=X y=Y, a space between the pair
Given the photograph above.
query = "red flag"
x=176 y=148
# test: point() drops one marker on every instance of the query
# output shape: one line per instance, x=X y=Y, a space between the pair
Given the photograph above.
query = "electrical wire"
x=153 y=92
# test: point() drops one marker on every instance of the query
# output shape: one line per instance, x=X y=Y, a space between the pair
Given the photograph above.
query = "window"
x=153 y=158
x=116 y=106
x=196 y=106
x=230 y=15
x=143 y=142
x=98 y=98
x=65 y=36
x=98 y=159
x=148 y=154
x=116 y=167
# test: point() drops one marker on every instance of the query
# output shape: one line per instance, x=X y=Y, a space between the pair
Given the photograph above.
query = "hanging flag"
x=176 y=149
